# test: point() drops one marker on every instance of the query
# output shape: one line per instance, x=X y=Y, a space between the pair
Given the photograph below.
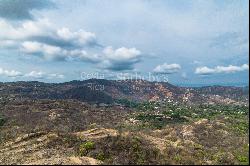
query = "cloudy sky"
x=191 y=42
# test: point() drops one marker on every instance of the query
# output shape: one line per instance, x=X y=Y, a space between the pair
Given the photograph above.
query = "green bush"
x=86 y=147
x=101 y=156
x=243 y=159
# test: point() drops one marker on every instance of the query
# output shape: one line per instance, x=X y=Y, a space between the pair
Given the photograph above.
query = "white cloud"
x=35 y=47
x=44 y=31
x=167 y=68
x=221 y=69
x=232 y=69
x=10 y=73
x=120 y=59
x=121 y=54
x=113 y=59
x=41 y=39
x=52 y=76
x=80 y=37
x=32 y=74
x=204 y=70
x=26 y=30
x=35 y=74
x=47 y=51
x=43 y=75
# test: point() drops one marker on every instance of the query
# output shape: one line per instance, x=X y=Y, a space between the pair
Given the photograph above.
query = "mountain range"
x=109 y=91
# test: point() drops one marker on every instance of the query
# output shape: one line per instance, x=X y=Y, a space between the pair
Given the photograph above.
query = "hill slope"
x=107 y=91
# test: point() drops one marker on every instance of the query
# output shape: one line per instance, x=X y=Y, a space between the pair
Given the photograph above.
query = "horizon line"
x=187 y=85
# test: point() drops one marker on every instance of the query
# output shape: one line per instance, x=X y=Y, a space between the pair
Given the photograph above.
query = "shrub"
x=243 y=159
x=101 y=156
x=86 y=147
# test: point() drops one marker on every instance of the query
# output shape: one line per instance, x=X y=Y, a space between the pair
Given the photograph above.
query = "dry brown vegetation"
x=74 y=132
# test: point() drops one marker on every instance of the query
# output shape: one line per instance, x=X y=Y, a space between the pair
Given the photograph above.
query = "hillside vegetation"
x=122 y=122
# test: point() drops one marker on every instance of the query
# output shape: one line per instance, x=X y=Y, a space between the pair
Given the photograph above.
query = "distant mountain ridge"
x=108 y=91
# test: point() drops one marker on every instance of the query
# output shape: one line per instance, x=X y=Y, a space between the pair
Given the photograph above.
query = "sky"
x=189 y=42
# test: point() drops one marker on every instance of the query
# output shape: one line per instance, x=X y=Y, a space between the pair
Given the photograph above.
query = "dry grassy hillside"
x=74 y=132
